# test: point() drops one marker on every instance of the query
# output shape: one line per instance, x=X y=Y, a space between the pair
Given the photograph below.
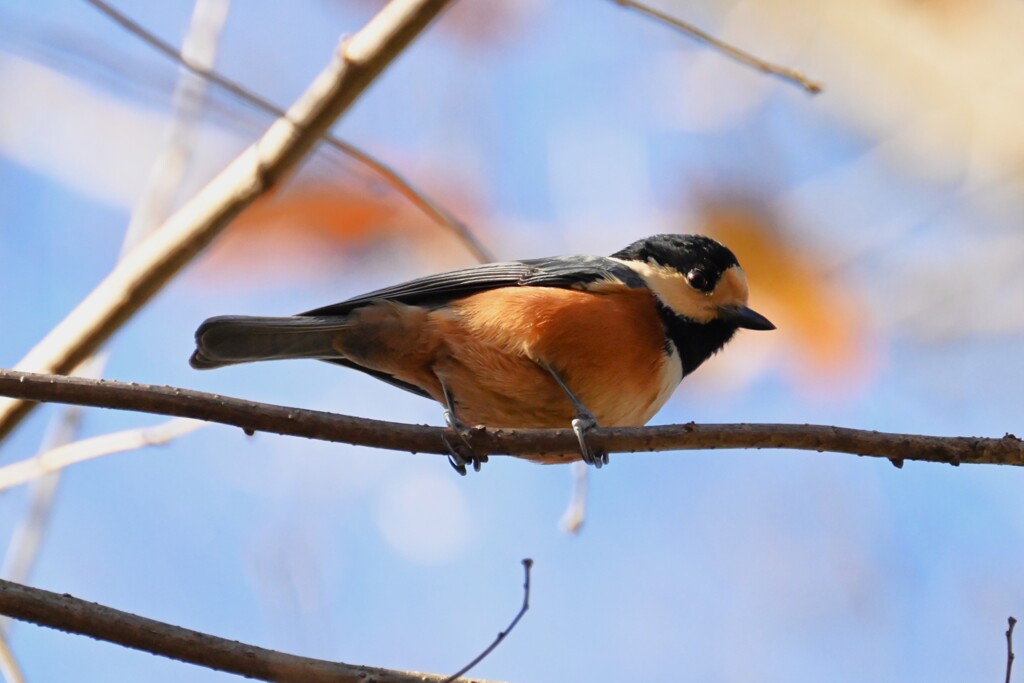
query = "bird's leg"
x=582 y=423
x=460 y=453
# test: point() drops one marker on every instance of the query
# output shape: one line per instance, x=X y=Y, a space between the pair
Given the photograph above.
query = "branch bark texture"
x=313 y=424
x=183 y=235
x=70 y=614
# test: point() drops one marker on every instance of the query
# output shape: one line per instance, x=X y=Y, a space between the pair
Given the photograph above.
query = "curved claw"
x=580 y=426
x=455 y=459
x=461 y=453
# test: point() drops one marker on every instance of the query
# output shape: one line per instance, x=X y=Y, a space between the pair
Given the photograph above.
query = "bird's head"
x=695 y=278
x=700 y=289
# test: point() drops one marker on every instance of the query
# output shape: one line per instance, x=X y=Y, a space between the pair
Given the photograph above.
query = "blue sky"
x=552 y=128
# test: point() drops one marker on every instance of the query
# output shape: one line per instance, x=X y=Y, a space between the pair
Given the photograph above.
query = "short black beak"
x=741 y=316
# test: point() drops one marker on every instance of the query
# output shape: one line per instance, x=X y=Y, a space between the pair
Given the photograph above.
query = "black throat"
x=695 y=342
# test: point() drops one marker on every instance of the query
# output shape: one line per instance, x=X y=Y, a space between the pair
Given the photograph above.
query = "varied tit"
x=580 y=340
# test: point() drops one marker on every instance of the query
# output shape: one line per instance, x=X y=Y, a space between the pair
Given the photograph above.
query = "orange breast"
x=609 y=348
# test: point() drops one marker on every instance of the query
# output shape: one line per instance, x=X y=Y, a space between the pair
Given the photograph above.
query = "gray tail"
x=231 y=339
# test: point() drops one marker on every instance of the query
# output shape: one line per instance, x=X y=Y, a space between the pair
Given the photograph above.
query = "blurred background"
x=879 y=224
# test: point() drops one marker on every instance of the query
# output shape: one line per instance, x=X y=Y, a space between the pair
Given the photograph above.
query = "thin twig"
x=558 y=443
x=58 y=458
x=527 y=566
x=73 y=615
x=1009 y=648
x=150 y=266
x=390 y=175
x=791 y=75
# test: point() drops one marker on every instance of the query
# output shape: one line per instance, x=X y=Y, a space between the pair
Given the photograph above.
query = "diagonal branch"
x=313 y=424
x=742 y=56
x=66 y=613
x=182 y=236
x=390 y=175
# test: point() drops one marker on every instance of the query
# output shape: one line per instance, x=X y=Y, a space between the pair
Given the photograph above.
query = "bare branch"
x=527 y=566
x=69 y=454
x=390 y=175
x=66 y=613
x=1009 y=648
x=313 y=424
x=792 y=75
x=135 y=280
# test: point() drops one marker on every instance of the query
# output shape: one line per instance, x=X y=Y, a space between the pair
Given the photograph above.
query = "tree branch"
x=792 y=75
x=66 y=613
x=313 y=424
x=390 y=175
x=135 y=280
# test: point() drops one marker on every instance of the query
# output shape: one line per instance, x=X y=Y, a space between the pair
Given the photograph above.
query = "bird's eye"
x=698 y=280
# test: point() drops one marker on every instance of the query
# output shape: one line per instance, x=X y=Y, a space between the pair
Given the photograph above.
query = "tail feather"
x=232 y=339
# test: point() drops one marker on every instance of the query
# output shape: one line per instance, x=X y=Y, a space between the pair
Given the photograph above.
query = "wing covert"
x=563 y=271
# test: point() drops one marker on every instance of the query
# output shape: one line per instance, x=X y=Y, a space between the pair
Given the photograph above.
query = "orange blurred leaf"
x=821 y=319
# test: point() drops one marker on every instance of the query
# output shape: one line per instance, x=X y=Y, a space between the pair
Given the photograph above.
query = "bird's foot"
x=583 y=423
x=461 y=451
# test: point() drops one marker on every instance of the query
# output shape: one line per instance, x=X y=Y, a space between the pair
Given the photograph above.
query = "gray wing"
x=571 y=272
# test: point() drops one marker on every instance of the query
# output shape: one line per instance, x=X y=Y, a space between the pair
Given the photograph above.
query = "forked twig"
x=527 y=566
x=792 y=75
x=390 y=175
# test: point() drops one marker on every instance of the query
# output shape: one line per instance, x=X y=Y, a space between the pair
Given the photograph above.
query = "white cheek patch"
x=669 y=285
x=671 y=288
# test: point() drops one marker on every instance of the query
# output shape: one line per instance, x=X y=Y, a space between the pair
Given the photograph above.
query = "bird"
x=537 y=343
